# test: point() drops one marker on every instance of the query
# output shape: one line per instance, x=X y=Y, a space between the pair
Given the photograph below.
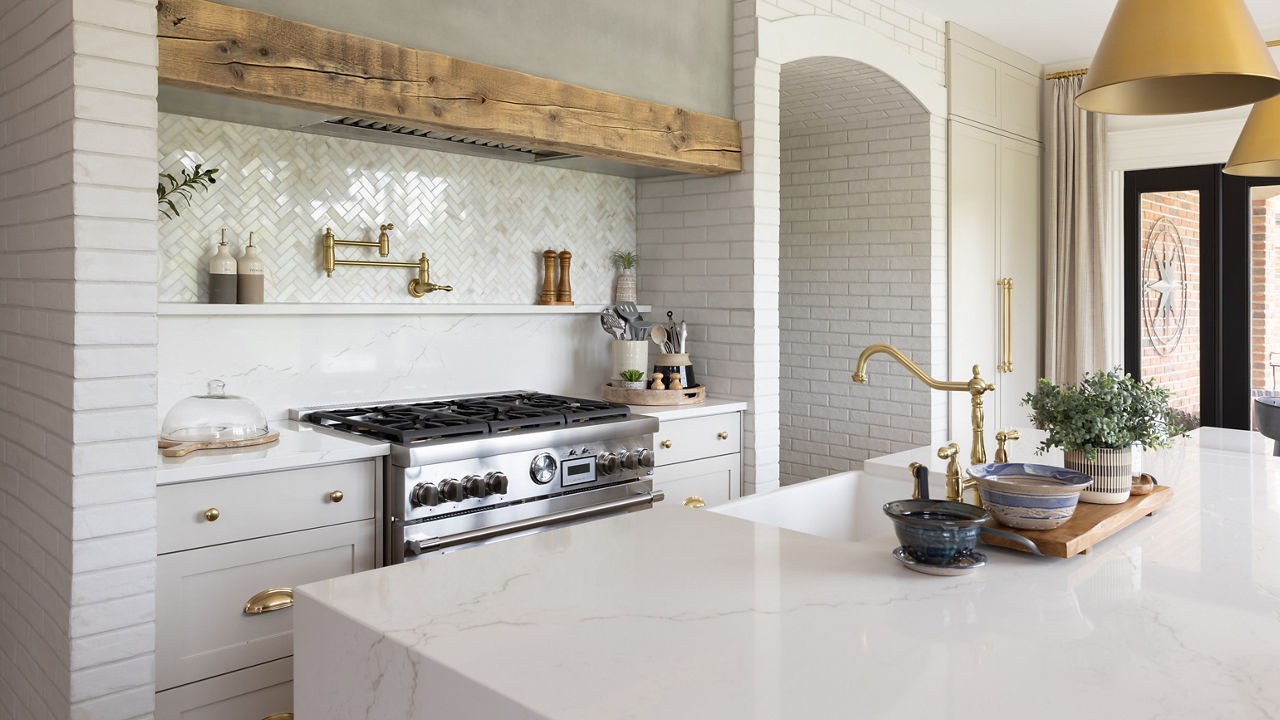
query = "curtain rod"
x=1082 y=71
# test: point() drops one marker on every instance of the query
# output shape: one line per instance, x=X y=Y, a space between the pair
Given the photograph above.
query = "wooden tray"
x=1090 y=524
x=169 y=448
x=688 y=396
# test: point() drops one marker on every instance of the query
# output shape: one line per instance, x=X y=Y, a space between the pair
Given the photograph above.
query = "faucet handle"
x=1002 y=454
x=947 y=452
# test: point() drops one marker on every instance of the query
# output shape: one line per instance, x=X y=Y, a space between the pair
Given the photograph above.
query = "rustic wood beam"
x=228 y=50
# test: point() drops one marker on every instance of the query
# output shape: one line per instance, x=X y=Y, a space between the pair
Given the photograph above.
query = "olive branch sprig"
x=170 y=188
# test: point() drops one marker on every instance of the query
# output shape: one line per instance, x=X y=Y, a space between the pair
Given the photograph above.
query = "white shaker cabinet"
x=994 y=178
x=231 y=551
x=698 y=460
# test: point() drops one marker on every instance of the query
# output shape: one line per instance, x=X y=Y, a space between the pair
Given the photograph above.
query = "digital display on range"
x=579 y=472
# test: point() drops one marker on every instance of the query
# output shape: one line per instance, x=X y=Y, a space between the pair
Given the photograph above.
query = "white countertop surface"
x=680 y=412
x=300 y=445
x=675 y=613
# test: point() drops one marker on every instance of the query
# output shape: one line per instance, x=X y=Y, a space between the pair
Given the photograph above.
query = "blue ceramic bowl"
x=1029 y=497
x=936 y=532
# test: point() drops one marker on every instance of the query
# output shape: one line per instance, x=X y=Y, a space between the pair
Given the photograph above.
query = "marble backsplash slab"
x=483 y=223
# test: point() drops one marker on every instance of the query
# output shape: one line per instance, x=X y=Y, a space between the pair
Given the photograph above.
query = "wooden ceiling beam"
x=222 y=49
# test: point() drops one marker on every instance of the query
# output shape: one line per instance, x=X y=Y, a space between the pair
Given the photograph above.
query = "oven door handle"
x=419 y=547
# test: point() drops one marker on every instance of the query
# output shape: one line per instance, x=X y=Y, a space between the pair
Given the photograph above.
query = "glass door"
x=1251 y=208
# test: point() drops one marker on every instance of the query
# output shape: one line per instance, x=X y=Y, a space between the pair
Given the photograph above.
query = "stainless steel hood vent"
x=375 y=131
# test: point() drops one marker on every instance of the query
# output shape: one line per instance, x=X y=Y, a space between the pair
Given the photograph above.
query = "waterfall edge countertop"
x=677 y=613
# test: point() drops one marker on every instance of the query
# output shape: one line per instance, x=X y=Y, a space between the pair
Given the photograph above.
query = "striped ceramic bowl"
x=1029 y=497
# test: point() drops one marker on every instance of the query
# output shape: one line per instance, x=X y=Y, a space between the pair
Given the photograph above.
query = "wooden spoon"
x=658 y=334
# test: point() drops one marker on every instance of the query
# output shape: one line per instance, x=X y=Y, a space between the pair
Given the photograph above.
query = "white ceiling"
x=1051 y=32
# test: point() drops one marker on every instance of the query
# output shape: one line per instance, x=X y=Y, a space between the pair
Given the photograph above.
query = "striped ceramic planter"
x=1111 y=470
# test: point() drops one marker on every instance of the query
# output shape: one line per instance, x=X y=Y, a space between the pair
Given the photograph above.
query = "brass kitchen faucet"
x=418 y=286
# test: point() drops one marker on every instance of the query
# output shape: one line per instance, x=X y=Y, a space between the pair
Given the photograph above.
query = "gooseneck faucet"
x=976 y=386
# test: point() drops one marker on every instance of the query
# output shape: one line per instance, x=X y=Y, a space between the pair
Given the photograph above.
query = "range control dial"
x=629 y=461
x=497 y=483
x=543 y=468
x=645 y=457
x=452 y=490
x=425 y=494
x=476 y=486
x=607 y=463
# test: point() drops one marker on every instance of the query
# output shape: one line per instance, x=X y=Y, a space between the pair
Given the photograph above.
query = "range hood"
x=180 y=101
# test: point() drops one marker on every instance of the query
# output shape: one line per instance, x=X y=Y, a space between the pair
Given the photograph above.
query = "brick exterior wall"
x=1265 y=276
x=855 y=264
x=1179 y=368
x=77 y=358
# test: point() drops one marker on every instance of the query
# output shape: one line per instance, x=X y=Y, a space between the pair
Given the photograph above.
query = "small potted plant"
x=624 y=289
x=632 y=379
x=1097 y=423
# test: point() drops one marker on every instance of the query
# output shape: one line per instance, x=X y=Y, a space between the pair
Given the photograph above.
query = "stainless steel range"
x=478 y=468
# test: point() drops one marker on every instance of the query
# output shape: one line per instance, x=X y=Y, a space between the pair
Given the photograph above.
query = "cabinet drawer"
x=202 y=629
x=693 y=438
x=713 y=480
x=252 y=506
x=250 y=694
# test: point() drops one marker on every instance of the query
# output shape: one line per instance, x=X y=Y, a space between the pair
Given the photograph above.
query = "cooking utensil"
x=659 y=337
x=612 y=324
x=640 y=329
x=627 y=310
x=684 y=338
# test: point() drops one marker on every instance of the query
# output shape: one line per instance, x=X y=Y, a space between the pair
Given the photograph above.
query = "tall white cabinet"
x=994 y=160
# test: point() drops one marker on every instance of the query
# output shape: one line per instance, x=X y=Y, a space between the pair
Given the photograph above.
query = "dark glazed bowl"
x=937 y=532
x=1266 y=412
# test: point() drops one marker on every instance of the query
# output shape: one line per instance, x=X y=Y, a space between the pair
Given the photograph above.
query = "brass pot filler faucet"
x=976 y=387
x=418 y=286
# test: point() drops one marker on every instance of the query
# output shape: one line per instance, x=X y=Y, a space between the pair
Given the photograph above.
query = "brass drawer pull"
x=269 y=600
x=212 y=514
x=693 y=501
x=666 y=444
x=279 y=716
x=722 y=435
x=335 y=496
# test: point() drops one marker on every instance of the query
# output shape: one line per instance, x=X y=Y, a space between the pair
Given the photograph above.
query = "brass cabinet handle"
x=336 y=496
x=269 y=600
x=693 y=501
x=1006 y=325
x=279 y=716
x=722 y=435
x=666 y=444
x=212 y=514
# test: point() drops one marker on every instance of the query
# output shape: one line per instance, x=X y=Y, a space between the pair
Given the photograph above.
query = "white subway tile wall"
x=855 y=264
x=77 y=369
x=483 y=223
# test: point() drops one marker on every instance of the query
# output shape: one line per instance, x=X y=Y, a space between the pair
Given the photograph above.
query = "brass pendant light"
x=1257 y=151
x=1160 y=57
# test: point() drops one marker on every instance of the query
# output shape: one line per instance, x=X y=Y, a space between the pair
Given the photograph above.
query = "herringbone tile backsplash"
x=483 y=223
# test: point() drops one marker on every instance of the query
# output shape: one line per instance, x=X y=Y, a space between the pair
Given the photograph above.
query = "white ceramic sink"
x=845 y=507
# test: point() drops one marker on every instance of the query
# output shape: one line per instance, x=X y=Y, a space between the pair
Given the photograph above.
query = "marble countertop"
x=680 y=412
x=675 y=613
x=300 y=445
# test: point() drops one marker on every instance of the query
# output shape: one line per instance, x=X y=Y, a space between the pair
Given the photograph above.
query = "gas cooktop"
x=474 y=416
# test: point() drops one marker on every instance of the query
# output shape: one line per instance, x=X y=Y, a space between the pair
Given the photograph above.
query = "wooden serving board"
x=1090 y=524
x=688 y=396
x=169 y=448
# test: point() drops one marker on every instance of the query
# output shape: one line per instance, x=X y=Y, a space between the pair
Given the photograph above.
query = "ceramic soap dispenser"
x=222 y=274
x=250 y=276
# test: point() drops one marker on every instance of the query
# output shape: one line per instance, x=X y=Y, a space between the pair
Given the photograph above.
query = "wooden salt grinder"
x=548 y=278
x=657 y=382
x=564 y=295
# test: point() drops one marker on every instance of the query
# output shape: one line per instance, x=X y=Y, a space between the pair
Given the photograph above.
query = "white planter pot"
x=628 y=355
x=624 y=290
x=1111 y=470
x=628 y=385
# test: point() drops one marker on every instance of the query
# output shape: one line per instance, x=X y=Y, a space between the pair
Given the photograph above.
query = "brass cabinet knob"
x=666 y=444
x=269 y=600
x=693 y=501
x=722 y=435
x=336 y=496
x=212 y=514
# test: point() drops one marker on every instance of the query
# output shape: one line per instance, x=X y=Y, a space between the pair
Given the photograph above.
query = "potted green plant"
x=1097 y=423
x=624 y=289
x=632 y=379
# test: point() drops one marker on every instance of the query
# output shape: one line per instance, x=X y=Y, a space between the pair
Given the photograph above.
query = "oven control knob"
x=645 y=456
x=607 y=463
x=543 y=469
x=497 y=483
x=629 y=461
x=452 y=490
x=475 y=486
x=425 y=494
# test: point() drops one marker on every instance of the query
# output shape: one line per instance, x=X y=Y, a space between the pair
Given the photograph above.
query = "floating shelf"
x=268 y=309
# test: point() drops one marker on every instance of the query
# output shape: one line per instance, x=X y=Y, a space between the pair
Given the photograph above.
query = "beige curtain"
x=1075 y=329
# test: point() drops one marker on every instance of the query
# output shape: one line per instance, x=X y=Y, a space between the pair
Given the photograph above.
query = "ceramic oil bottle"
x=250 y=276
x=222 y=274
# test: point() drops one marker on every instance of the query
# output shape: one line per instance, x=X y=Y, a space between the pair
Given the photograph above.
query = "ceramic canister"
x=222 y=275
x=628 y=355
x=1110 y=470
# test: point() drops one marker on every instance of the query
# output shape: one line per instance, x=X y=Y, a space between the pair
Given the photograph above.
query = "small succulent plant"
x=632 y=375
x=1108 y=409
x=624 y=259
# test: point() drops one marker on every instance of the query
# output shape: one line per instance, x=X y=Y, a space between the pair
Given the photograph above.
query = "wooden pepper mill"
x=551 y=294
x=564 y=295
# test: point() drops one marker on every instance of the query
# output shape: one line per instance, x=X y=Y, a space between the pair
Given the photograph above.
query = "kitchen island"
x=676 y=613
